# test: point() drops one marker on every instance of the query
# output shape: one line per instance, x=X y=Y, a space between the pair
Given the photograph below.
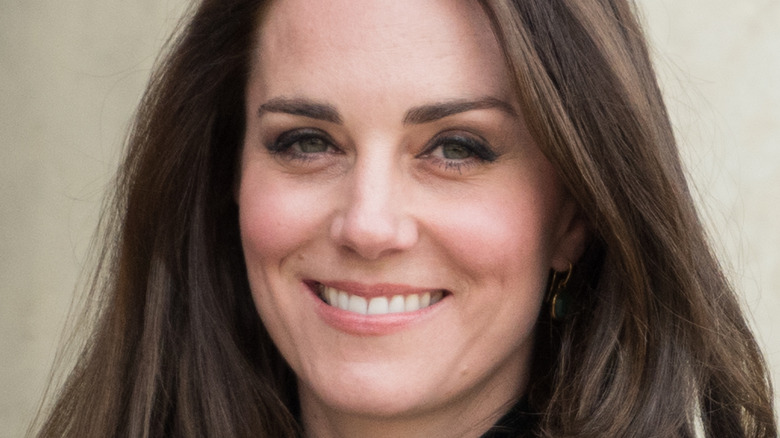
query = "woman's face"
x=398 y=221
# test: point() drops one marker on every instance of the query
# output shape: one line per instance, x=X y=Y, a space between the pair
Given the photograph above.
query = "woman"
x=410 y=218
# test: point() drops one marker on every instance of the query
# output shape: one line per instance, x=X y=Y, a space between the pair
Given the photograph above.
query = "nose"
x=375 y=219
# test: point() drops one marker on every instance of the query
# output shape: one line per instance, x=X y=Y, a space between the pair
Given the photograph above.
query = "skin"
x=370 y=194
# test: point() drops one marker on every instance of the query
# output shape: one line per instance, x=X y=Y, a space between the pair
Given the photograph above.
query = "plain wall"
x=71 y=73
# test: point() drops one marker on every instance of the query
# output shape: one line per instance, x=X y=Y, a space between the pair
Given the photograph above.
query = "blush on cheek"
x=261 y=231
x=496 y=238
x=275 y=217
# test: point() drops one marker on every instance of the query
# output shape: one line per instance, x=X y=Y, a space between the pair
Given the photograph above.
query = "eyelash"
x=478 y=151
x=283 y=144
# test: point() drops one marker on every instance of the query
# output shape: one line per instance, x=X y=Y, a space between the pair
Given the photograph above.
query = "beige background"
x=71 y=73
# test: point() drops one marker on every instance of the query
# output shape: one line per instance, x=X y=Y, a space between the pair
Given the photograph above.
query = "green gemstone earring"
x=559 y=296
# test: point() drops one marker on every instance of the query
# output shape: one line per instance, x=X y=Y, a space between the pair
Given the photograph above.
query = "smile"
x=380 y=305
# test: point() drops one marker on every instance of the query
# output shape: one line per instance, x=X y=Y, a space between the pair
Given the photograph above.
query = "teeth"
x=412 y=303
x=397 y=304
x=343 y=301
x=358 y=304
x=425 y=300
x=379 y=305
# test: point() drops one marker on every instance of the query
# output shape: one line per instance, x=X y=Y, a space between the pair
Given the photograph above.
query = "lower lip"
x=371 y=325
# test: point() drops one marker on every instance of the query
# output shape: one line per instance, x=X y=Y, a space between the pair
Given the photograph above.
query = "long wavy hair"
x=657 y=344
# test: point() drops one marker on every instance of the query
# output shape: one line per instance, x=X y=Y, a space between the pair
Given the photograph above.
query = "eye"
x=310 y=145
x=302 y=144
x=453 y=151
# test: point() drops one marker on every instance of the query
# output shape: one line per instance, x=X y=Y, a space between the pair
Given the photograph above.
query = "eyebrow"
x=301 y=107
x=436 y=111
x=417 y=115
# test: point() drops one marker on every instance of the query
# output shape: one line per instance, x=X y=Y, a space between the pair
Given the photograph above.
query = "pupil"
x=455 y=152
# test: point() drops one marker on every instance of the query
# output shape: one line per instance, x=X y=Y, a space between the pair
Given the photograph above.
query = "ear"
x=572 y=235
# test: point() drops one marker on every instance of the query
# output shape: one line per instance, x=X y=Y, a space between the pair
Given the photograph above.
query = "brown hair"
x=657 y=346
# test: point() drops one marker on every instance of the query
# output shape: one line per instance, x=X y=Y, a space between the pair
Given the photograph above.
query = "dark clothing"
x=517 y=423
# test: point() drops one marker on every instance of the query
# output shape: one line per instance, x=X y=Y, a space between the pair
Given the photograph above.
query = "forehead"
x=380 y=24
x=393 y=42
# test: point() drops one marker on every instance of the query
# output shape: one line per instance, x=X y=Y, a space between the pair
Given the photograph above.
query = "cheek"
x=275 y=217
x=501 y=234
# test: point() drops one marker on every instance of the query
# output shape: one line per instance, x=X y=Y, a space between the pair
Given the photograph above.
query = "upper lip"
x=372 y=290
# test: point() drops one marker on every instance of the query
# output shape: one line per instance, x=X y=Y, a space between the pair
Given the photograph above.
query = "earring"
x=559 y=296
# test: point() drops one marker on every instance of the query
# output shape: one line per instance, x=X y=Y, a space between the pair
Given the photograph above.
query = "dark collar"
x=517 y=423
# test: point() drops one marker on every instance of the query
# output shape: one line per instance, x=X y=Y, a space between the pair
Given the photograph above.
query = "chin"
x=372 y=395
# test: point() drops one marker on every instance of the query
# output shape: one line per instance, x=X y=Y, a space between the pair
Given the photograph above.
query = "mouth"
x=377 y=305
